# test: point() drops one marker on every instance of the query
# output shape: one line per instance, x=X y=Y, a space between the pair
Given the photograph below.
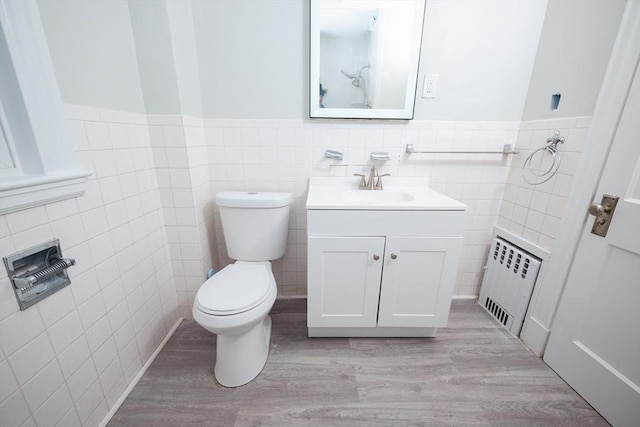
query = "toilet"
x=234 y=303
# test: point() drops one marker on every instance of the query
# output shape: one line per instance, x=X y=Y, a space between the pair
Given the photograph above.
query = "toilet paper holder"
x=38 y=272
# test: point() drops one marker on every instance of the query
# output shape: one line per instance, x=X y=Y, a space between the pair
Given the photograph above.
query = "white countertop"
x=398 y=194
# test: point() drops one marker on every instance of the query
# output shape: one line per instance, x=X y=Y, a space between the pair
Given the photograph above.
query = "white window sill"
x=28 y=191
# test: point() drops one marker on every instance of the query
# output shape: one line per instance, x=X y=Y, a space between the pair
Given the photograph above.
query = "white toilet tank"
x=255 y=224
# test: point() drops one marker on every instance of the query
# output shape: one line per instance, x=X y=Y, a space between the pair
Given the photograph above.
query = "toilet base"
x=240 y=358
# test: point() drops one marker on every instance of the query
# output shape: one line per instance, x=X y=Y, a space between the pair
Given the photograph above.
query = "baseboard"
x=133 y=383
x=373 y=332
x=535 y=336
x=295 y=297
x=471 y=297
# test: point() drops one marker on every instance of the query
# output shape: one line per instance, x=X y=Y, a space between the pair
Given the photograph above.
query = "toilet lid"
x=234 y=289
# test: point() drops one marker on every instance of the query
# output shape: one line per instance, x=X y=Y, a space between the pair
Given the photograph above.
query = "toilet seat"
x=235 y=289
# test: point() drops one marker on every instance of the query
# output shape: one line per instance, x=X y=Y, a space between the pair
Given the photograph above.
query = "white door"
x=595 y=340
x=417 y=281
x=344 y=281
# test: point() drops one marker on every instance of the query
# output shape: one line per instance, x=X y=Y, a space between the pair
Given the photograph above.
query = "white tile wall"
x=280 y=155
x=533 y=212
x=66 y=360
x=183 y=178
x=146 y=231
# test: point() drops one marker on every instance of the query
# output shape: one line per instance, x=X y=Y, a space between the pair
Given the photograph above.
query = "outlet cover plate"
x=430 y=85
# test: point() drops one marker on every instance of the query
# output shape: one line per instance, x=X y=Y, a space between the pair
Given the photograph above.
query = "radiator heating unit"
x=508 y=283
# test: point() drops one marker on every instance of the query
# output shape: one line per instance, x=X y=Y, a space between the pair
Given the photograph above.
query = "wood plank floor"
x=473 y=373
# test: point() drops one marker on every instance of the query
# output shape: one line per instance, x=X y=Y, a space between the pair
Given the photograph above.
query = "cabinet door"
x=343 y=280
x=417 y=284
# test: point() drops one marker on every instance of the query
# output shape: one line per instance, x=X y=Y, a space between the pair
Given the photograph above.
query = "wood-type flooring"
x=474 y=373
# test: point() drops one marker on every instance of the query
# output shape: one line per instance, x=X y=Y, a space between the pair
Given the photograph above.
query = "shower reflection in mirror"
x=366 y=53
x=358 y=80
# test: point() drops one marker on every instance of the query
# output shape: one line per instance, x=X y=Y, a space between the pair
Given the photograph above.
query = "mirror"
x=364 y=58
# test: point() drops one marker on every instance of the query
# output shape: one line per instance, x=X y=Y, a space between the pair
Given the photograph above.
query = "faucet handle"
x=379 y=181
x=363 y=180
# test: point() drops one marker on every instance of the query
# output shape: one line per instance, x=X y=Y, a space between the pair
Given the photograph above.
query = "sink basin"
x=398 y=194
x=378 y=196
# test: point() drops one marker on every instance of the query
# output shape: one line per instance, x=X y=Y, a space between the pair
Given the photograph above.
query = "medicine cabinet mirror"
x=364 y=58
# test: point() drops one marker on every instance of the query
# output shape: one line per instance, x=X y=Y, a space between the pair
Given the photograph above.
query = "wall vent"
x=508 y=283
x=497 y=311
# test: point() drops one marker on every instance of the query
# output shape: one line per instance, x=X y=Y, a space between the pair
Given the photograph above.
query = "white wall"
x=167 y=59
x=574 y=50
x=68 y=359
x=581 y=40
x=136 y=243
x=94 y=57
x=186 y=57
x=253 y=58
x=270 y=155
x=533 y=212
x=182 y=167
x=484 y=53
x=153 y=44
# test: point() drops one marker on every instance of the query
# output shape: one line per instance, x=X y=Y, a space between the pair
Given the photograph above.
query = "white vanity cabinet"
x=381 y=272
x=345 y=280
x=418 y=279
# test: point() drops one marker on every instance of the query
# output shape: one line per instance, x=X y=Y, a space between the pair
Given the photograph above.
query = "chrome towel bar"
x=505 y=150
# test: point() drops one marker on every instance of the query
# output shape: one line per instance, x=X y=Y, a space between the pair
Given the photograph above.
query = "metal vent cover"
x=504 y=251
x=508 y=283
x=498 y=312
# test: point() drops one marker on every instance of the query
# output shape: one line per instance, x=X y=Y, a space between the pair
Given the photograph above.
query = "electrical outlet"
x=430 y=85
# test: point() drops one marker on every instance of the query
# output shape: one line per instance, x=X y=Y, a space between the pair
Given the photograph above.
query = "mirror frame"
x=405 y=113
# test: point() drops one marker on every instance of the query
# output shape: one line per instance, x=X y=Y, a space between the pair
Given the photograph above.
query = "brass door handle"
x=603 y=212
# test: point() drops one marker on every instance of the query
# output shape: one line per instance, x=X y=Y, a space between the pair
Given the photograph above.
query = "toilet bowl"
x=234 y=304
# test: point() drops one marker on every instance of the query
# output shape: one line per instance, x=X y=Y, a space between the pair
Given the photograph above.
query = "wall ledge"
x=30 y=191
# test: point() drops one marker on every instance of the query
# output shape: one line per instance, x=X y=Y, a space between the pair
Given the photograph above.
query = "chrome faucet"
x=373 y=173
x=374 y=182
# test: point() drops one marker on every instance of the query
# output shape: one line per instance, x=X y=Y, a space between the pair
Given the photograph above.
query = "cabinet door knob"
x=394 y=256
x=376 y=257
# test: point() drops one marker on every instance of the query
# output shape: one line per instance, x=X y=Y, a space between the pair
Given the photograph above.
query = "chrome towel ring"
x=541 y=165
